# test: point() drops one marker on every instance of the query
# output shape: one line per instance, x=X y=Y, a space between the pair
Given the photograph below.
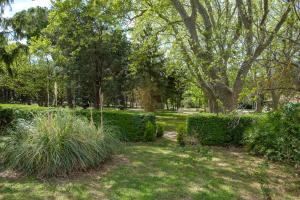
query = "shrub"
x=277 y=135
x=160 y=130
x=181 y=133
x=57 y=144
x=150 y=132
x=10 y=112
x=131 y=126
x=220 y=130
x=6 y=117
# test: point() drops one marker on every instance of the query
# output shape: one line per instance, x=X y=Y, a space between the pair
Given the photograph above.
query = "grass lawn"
x=171 y=120
x=161 y=170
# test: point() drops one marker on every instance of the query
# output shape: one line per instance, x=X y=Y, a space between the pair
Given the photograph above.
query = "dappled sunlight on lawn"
x=162 y=170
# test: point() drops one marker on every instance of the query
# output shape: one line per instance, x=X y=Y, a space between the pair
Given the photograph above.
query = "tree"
x=92 y=44
x=25 y=82
x=219 y=41
x=148 y=67
x=28 y=23
x=23 y=25
x=3 y=4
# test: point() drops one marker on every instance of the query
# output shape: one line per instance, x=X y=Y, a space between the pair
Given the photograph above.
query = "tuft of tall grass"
x=56 y=144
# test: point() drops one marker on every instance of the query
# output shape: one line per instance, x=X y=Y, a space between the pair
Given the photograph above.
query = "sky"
x=20 y=5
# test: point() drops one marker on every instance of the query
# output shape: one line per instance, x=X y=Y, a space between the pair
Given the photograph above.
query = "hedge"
x=130 y=125
x=219 y=130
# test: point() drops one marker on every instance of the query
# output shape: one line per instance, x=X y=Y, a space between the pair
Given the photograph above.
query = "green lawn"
x=171 y=120
x=161 y=170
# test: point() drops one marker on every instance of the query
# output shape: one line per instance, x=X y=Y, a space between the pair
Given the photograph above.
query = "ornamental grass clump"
x=56 y=144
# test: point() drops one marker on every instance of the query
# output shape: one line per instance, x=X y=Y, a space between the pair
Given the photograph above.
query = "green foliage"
x=181 y=134
x=130 y=126
x=160 y=130
x=220 y=130
x=6 y=117
x=28 y=23
x=150 y=132
x=57 y=144
x=149 y=69
x=277 y=135
x=10 y=113
x=92 y=48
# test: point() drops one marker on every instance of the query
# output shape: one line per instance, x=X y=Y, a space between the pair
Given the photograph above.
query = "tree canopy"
x=220 y=55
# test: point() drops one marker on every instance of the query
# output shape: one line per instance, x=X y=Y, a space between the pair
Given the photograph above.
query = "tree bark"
x=259 y=103
x=213 y=105
x=97 y=95
x=69 y=94
x=275 y=99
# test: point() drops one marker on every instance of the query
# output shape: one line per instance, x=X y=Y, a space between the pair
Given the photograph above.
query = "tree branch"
x=247 y=64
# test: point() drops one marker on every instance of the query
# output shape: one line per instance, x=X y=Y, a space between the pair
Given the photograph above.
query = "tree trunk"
x=69 y=94
x=213 y=105
x=259 y=103
x=97 y=99
x=55 y=94
x=275 y=100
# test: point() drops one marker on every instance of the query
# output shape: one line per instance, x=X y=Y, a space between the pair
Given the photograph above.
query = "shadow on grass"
x=159 y=170
x=173 y=173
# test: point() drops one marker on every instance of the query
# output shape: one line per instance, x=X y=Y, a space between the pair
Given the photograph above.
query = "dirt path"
x=171 y=135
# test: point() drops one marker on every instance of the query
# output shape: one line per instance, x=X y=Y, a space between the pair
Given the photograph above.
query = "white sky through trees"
x=20 y=5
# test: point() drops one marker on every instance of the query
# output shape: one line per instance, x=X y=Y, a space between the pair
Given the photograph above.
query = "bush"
x=181 y=134
x=10 y=112
x=131 y=126
x=57 y=144
x=277 y=135
x=150 y=132
x=220 y=130
x=160 y=130
x=6 y=117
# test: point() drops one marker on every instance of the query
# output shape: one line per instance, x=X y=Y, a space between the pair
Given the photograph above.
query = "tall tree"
x=92 y=43
x=149 y=68
x=220 y=40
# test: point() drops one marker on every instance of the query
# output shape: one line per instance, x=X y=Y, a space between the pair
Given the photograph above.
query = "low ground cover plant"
x=57 y=144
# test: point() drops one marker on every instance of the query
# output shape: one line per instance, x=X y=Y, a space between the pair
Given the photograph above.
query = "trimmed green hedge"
x=219 y=130
x=131 y=126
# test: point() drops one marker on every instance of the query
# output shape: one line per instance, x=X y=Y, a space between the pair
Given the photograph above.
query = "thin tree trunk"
x=275 y=100
x=55 y=94
x=259 y=103
x=101 y=107
x=69 y=94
